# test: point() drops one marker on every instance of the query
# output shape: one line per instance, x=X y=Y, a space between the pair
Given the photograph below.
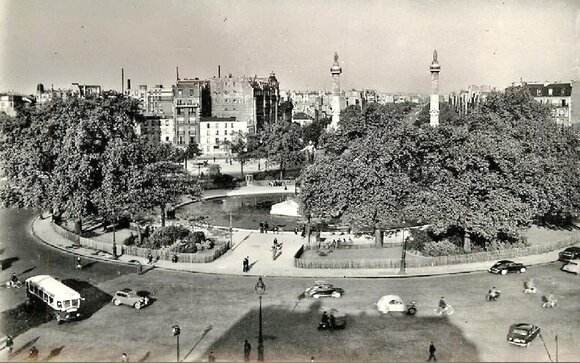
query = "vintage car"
x=324 y=289
x=393 y=303
x=522 y=334
x=505 y=266
x=569 y=254
x=572 y=266
x=131 y=298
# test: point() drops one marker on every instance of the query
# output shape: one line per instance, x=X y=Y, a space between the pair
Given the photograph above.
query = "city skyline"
x=382 y=45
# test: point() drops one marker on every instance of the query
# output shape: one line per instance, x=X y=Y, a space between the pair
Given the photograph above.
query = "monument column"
x=434 y=104
x=335 y=104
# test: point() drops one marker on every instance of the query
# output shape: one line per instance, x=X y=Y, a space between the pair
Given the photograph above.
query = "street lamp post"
x=176 y=331
x=260 y=290
x=403 y=252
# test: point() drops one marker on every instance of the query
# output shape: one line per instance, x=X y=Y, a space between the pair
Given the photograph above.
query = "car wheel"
x=412 y=311
x=336 y=294
x=316 y=296
x=522 y=270
x=137 y=305
x=116 y=302
x=504 y=272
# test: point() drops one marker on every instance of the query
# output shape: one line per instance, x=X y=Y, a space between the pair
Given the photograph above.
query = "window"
x=208 y=125
x=232 y=125
x=180 y=140
x=217 y=132
x=562 y=91
x=192 y=139
x=563 y=103
x=208 y=133
x=67 y=304
x=217 y=125
x=180 y=93
x=191 y=91
x=550 y=92
x=217 y=140
x=167 y=138
x=226 y=125
x=539 y=92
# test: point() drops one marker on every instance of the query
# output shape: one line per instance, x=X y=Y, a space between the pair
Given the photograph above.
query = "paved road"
x=219 y=312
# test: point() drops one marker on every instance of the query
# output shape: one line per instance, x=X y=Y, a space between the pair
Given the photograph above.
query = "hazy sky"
x=386 y=45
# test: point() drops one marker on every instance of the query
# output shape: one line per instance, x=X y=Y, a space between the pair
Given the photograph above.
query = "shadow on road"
x=24 y=317
x=7 y=262
x=24 y=347
x=27 y=270
x=94 y=298
x=293 y=336
x=53 y=353
x=145 y=357
x=207 y=330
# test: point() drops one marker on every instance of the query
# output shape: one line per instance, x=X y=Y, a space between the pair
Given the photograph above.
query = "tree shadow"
x=90 y=264
x=7 y=262
x=292 y=335
x=24 y=317
x=94 y=298
x=53 y=353
x=24 y=347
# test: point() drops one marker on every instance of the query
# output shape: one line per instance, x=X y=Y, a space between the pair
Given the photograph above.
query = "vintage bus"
x=61 y=299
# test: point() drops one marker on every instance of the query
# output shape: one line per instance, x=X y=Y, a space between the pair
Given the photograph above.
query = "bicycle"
x=12 y=284
x=448 y=310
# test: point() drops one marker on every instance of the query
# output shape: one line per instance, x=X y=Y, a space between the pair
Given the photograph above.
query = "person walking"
x=211 y=357
x=9 y=344
x=124 y=358
x=245 y=265
x=247 y=351
x=432 y=350
x=33 y=353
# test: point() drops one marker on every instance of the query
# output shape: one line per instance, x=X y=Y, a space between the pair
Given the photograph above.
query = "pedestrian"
x=265 y=227
x=432 y=353
x=33 y=353
x=174 y=258
x=245 y=265
x=211 y=357
x=214 y=159
x=295 y=231
x=9 y=344
x=149 y=258
x=247 y=351
x=124 y=358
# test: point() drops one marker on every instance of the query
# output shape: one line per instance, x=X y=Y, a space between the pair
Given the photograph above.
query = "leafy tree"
x=283 y=144
x=285 y=111
x=158 y=184
x=312 y=131
x=239 y=147
x=53 y=155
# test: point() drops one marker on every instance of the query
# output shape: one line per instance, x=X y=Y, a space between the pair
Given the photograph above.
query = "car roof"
x=126 y=290
x=523 y=326
x=391 y=297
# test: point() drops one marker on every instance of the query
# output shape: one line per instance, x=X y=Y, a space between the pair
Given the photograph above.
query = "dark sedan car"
x=522 y=334
x=324 y=289
x=569 y=254
x=505 y=266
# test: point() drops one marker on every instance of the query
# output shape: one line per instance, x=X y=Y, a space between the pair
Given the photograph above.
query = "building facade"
x=217 y=131
x=560 y=98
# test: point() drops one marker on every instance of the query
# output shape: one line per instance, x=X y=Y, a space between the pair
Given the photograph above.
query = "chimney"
x=128 y=84
x=122 y=81
x=177 y=72
x=219 y=71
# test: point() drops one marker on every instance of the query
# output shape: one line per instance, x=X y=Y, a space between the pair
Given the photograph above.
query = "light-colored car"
x=393 y=303
x=572 y=266
x=131 y=298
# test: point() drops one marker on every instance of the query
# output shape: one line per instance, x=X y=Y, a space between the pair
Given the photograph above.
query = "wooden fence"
x=163 y=254
x=328 y=262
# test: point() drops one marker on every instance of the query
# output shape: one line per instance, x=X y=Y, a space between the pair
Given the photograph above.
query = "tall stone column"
x=335 y=104
x=434 y=104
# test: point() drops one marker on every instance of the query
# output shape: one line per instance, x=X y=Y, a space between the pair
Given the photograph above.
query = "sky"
x=382 y=44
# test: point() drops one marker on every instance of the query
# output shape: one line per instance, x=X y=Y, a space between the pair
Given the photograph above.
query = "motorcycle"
x=549 y=303
x=490 y=297
x=412 y=308
x=337 y=321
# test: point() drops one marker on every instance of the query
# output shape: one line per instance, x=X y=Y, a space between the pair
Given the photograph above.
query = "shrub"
x=197 y=237
x=224 y=181
x=418 y=238
x=130 y=241
x=441 y=248
x=167 y=236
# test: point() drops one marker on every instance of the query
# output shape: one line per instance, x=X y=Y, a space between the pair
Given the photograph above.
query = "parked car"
x=324 y=289
x=131 y=298
x=572 y=266
x=569 y=254
x=522 y=334
x=393 y=303
x=505 y=266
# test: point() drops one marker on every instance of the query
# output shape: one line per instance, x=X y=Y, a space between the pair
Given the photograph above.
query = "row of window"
x=217 y=132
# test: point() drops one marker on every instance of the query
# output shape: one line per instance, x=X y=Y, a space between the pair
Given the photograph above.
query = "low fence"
x=352 y=245
x=287 y=182
x=165 y=254
x=330 y=263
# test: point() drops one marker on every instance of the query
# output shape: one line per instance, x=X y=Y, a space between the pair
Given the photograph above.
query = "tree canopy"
x=483 y=176
x=73 y=156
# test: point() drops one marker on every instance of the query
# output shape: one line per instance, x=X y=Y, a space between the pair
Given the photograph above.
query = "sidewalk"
x=257 y=246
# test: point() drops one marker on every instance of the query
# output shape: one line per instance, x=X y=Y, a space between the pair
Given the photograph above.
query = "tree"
x=161 y=183
x=285 y=111
x=283 y=144
x=191 y=151
x=312 y=131
x=53 y=155
x=239 y=147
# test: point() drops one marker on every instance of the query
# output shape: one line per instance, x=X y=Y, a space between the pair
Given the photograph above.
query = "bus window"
x=67 y=304
x=30 y=288
x=44 y=296
x=59 y=304
x=50 y=300
x=75 y=303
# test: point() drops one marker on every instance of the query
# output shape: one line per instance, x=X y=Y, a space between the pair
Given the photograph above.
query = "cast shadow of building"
x=293 y=336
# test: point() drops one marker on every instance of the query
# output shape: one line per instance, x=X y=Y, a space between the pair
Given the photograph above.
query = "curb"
x=392 y=276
